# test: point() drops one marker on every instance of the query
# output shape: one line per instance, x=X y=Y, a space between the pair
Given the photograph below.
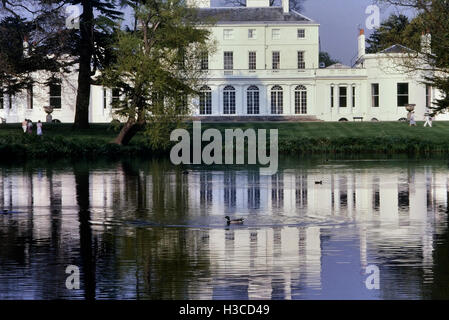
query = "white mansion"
x=266 y=64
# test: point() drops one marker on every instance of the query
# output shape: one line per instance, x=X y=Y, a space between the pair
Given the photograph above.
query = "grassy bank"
x=294 y=138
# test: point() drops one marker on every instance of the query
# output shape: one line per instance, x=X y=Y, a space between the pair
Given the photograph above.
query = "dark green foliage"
x=326 y=59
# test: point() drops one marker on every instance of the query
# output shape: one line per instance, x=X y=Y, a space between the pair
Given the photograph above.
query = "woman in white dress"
x=39 y=128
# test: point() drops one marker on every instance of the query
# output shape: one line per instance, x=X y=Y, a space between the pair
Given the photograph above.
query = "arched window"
x=300 y=99
x=252 y=100
x=229 y=100
x=205 y=100
x=276 y=100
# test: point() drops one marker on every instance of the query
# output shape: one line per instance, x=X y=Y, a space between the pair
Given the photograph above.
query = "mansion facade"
x=266 y=64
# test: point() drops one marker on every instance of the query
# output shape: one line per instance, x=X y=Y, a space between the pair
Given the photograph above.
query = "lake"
x=371 y=228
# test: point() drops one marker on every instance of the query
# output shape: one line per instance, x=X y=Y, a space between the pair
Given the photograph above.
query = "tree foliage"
x=31 y=45
x=326 y=59
x=156 y=68
x=432 y=61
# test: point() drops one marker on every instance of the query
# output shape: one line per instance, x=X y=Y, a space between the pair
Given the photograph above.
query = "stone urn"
x=409 y=108
x=48 y=110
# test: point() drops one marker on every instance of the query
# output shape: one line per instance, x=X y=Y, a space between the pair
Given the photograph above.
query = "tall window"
x=301 y=61
x=276 y=100
x=252 y=60
x=301 y=33
x=228 y=60
x=204 y=63
x=30 y=97
x=115 y=96
x=402 y=94
x=205 y=100
x=252 y=100
x=375 y=95
x=252 y=34
x=228 y=34
x=353 y=96
x=276 y=60
x=55 y=95
x=229 y=100
x=428 y=96
x=105 y=104
x=300 y=100
x=276 y=34
x=332 y=96
x=2 y=101
x=343 y=97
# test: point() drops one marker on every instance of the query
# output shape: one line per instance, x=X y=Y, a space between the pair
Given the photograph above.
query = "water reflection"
x=142 y=229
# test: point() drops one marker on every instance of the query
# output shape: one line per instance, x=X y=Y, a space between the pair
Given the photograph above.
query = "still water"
x=141 y=229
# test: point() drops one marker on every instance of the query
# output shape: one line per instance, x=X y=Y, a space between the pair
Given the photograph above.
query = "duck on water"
x=234 y=221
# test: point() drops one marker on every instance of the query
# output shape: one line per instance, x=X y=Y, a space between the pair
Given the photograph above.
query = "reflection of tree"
x=81 y=173
x=172 y=259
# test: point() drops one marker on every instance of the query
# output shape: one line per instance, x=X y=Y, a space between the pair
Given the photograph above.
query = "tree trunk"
x=85 y=59
x=128 y=132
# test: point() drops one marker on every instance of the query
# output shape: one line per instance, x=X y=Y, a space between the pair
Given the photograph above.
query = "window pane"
x=55 y=95
x=204 y=61
x=252 y=60
x=229 y=100
x=301 y=62
x=402 y=94
x=228 y=34
x=276 y=34
x=276 y=59
x=343 y=97
x=228 y=60
x=30 y=97
x=252 y=100
x=301 y=33
x=375 y=95
x=251 y=33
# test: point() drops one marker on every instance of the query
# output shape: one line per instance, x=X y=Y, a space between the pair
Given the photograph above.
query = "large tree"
x=90 y=43
x=156 y=68
x=396 y=29
x=31 y=45
x=94 y=30
x=431 y=57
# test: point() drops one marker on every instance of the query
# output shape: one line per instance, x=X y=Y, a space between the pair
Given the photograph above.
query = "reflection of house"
x=298 y=234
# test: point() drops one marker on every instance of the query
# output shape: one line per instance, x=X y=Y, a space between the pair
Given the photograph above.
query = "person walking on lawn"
x=39 y=128
x=24 y=125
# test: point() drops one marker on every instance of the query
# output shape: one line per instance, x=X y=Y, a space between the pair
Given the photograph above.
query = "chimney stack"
x=362 y=45
x=286 y=6
x=426 y=43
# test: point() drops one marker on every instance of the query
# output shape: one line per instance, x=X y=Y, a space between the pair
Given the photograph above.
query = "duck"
x=318 y=182
x=234 y=221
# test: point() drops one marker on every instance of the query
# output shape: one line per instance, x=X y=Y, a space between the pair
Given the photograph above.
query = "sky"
x=340 y=21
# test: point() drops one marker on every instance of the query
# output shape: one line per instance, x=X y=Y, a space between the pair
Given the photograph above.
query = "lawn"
x=294 y=138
